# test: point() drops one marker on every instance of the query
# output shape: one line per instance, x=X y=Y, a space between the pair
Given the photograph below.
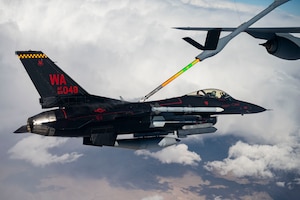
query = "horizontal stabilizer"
x=22 y=129
x=193 y=43
x=211 y=42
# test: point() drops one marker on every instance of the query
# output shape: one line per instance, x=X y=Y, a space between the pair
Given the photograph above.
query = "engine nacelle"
x=284 y=46
x=38 y=123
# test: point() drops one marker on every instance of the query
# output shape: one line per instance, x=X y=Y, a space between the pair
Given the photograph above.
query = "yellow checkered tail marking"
x=32 y=55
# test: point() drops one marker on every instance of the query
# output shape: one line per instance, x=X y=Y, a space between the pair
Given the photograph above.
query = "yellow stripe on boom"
x=180 y=72
x=31 y=55
x=170 y=79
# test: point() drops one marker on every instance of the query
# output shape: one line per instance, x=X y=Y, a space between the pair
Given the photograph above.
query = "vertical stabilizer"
x=52 y=83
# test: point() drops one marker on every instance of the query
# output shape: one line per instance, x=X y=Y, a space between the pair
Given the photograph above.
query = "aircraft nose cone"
x=252 y=108
x=258 y=109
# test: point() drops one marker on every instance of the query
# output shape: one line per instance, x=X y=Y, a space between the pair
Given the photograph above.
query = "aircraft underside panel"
x=101 y=136
x=145 y=140
x=102 y=139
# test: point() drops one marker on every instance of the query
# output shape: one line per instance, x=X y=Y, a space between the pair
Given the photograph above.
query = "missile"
x=188 y=109
x=160 y=121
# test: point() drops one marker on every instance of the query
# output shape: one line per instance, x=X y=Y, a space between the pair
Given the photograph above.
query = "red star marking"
x=40 y=62
x=99 y=110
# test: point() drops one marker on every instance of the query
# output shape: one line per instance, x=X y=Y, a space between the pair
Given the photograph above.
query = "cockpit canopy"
x=211 y=93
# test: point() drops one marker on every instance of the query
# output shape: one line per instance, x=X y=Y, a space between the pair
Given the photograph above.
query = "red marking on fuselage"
x=172 y=103
x=99 y=117
x=57 y=79
x=235 y=104
x=206 y=103
x=99 y=110
x=40 y=62
x=65 y=114
x=225 y=105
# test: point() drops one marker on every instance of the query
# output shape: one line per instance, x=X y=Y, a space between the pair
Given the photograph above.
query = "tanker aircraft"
x=280 y=42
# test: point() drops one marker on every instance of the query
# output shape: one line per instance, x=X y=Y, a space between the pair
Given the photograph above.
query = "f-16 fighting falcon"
x=103 y=121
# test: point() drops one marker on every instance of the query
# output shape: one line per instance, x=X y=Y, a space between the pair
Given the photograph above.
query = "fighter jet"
x=103 y=121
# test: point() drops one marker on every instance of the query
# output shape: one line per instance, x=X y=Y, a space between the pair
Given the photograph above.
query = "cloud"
x=256 y=161
x=256 y=195
x=290 y=185
x=74 y=187
x=35 y=149
x=155 y=197
x=173 y=154
x=127 y=48
x=223 y=5
x=280 y=183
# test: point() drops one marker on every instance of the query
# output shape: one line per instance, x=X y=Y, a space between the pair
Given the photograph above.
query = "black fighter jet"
x=103 y=121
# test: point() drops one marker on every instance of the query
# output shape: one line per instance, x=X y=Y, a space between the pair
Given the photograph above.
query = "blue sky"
x=127 y=48
x=292 y=7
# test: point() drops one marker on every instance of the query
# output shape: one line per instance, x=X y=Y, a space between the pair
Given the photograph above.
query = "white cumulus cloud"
x=35 y=149
x=155 y=197
x=173 y=154
x=280 y=184
x=259 y=161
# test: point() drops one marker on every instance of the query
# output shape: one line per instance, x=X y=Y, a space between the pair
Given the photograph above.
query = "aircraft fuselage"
x=125 y=118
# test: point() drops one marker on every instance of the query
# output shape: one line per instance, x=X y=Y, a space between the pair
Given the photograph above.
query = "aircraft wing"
x=260 y=32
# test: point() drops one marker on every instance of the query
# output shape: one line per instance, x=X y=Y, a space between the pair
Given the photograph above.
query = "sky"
x=127 y=48
x=292 y=8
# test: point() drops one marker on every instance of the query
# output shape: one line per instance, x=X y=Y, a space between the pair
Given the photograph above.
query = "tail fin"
x=52 y=83
x=211 y=41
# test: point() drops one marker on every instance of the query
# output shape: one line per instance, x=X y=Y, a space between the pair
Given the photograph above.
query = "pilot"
x=223 y=95
x=213 y=94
